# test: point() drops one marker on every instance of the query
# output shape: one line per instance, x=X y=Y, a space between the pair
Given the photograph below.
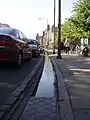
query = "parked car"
x=35 y=47
x=14 y=46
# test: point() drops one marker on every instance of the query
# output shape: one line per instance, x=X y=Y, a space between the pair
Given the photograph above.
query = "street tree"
x=78 y=25
x=82 y=13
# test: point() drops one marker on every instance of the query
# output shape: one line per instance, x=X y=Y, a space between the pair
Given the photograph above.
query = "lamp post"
x=59 y=30
x=44 y=19
x=54 y=26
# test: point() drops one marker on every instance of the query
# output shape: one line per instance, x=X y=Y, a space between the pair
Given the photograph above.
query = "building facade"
x=49 y=36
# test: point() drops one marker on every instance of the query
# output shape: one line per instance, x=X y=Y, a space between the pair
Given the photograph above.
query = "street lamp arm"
x=41 y=18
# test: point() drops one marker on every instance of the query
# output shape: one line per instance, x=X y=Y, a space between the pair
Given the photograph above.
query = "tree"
x=82 y=12
x=69 y=30
x=78 y=25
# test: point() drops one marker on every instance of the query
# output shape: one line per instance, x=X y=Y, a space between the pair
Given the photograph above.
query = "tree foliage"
x=78 y=25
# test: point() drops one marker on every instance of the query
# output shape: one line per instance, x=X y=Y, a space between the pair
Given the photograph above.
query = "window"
x=33 y=42
x=16 y=34
x=24 y=38
x=21 y=35
x=6 y=30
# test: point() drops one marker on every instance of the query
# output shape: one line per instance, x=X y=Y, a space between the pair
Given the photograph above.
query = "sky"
x=24 y=14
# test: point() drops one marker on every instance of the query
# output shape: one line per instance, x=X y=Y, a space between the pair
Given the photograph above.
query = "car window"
x=16 y=34
x=24 y=38
x=5 y=30
x=33 y=42
x=21 y=35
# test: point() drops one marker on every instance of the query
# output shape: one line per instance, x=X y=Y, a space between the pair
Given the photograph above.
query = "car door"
x=27 y=49
x=23 y=44
x=20 y=43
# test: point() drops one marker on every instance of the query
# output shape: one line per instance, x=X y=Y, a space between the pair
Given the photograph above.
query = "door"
x=26 y=48
x=20 y=42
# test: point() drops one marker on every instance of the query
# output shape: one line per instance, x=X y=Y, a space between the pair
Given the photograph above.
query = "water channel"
x=46 y=85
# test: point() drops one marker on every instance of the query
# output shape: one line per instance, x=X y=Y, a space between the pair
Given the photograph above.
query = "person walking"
x=67 y=48
x=73 y=49
x=78 y=49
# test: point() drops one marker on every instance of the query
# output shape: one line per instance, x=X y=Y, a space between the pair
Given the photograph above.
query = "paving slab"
x=76 y=75
x=40 y=108
x=82 y=114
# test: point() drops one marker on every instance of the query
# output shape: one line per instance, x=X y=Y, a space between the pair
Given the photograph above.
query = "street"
x=45 y=61
x=11 y=77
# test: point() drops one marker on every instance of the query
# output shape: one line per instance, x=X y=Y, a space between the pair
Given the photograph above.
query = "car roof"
x=6 y=28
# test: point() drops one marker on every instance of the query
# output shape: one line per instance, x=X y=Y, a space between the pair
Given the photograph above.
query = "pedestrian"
x=78 y=49
x=73 y=49
x=67 y=48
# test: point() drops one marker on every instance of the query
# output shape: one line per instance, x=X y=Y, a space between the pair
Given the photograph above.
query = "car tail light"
x=2 y=42
x=5 y=41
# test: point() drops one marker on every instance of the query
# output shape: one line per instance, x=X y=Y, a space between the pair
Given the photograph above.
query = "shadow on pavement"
x=76 y=74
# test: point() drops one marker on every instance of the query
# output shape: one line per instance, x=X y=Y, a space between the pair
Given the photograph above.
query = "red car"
x=14 y=46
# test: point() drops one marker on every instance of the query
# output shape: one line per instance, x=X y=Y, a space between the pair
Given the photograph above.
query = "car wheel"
x=19 y=60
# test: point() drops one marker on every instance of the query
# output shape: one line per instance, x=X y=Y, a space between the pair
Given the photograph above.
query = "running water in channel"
x=46 y=87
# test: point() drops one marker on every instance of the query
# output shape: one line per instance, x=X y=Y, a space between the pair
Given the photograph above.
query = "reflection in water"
x=46 y=88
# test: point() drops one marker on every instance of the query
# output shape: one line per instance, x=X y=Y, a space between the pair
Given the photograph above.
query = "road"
x=10 y=77
x=76 y=73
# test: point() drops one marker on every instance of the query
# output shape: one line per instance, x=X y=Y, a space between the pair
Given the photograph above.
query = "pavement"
x=75 y=73
x=40 y=108
x=72 y=100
